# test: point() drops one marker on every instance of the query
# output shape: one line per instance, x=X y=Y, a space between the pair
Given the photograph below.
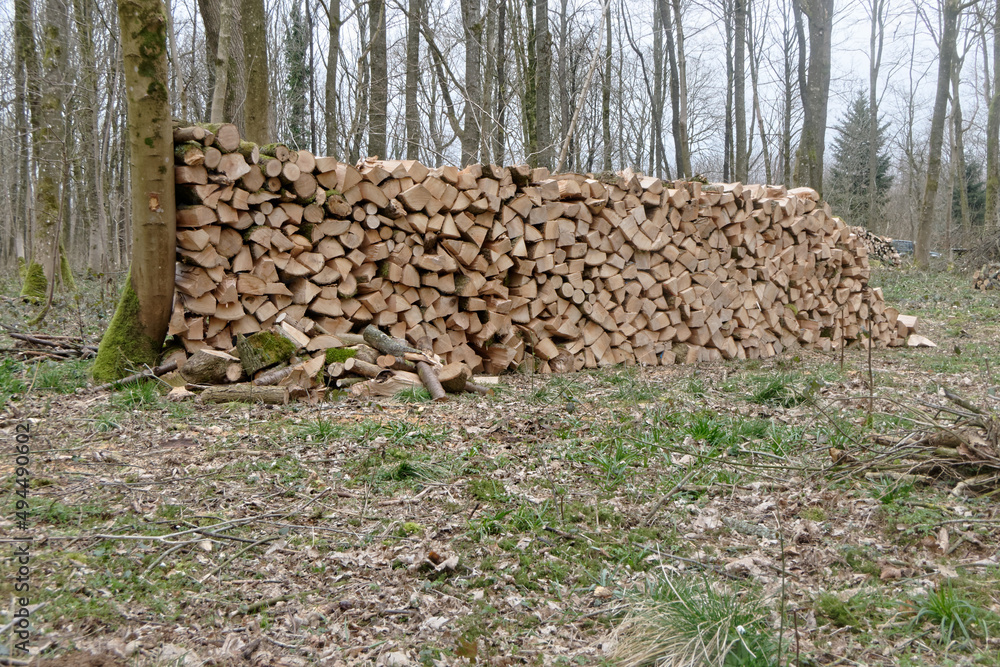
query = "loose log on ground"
x=244 y=393
x=429 y=377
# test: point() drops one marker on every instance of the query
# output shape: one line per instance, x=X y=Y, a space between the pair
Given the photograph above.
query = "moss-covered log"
x=263 y=349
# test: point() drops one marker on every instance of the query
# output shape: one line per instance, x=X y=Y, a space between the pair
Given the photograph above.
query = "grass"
x=678 y=622
x=951 y=614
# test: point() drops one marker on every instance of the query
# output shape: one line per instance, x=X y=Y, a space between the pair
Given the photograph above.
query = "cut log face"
x=499 y=267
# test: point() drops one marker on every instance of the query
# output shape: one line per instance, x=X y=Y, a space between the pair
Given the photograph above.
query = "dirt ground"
x=521 y=528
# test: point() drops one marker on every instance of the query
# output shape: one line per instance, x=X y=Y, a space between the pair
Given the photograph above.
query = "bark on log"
x=244 y=393
x=429 y=377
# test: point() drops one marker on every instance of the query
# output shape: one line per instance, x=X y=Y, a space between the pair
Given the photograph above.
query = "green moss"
x=22 y=268
x=125 y=342
x=65 y=272
x=306 y=230
x=35 y=284
x=338 y=355
x=331 y=193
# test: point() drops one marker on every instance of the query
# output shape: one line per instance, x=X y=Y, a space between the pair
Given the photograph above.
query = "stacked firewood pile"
x=493 y=267
x=987 y=277
x=878 y=247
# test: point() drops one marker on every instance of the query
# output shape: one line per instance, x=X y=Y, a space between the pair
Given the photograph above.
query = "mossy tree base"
x=124 y=344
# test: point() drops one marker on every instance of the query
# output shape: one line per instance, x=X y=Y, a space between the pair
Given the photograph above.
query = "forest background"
x=731 y=90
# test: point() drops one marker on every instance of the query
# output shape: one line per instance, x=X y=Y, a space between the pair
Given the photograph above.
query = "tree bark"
x=958 y=151
x=949 y=36
x=472 y=26
x=543 y=86
x=379 y=79
x=213 y=18
x=257 y=112
x=92 y=193
x=814 y=87
x=332 y=62
x=222 y=63
x=49 y=152
x=606 y=92
x=993 y=137
x=139 y=325
x=741 y=164
x=501 y=83
x=875 y=42
x=413 y=79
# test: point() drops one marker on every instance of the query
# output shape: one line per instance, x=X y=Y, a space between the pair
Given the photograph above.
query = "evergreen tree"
x=847 y=188
x=975 y=189
x=298 y=73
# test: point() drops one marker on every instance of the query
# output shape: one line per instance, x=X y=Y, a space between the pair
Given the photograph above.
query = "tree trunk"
x=257 y=112
x=606 y=92
x=741 y=165
x=222 y=63
x=674 y=34
x=501 y=94
x=362 y=89
x=473 y=29
x=958 y=152
x=727 y=158
x=814 y=88
x=755 y=56
x=875 y=42
x=379 y=79
x=543 y=87
x=49 y=153
x=789 y=88
x=412 y=79
x=92 y=192
x=993 y=137
x=26 y=82
x=949 y=37
x=213 y=17
x=139 y=325
x=332 y=62
x=563 y=73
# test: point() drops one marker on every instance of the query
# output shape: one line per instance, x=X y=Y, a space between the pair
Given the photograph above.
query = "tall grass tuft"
x=695 y=624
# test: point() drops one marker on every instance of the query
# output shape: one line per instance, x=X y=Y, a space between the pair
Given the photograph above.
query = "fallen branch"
x=151 y=373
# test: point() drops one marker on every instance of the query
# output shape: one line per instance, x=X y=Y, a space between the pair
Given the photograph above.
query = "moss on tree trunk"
x=125 y=342
x=35 y=284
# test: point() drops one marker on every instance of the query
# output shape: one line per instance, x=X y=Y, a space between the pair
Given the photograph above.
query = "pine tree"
x=298 y=73
x=847 y=187
x=975 y=189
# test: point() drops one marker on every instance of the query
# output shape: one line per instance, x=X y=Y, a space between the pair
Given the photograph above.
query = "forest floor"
x=578 y=519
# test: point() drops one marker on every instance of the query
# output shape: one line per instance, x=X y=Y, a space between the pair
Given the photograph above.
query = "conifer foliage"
x=848 y=187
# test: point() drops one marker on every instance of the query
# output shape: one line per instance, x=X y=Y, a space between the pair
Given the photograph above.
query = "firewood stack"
x=987 y=277
x=497 y=266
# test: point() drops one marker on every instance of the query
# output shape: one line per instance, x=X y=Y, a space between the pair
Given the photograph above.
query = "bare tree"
x=814 y=87
x=742 y=162
x=49 y=146
x=331 y=119
x=951 y=10
x=139 y=326
x=379 y=78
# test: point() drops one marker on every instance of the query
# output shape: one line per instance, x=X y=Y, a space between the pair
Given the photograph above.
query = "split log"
x=387 y=387
x=454 y=377
x=211 y=367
